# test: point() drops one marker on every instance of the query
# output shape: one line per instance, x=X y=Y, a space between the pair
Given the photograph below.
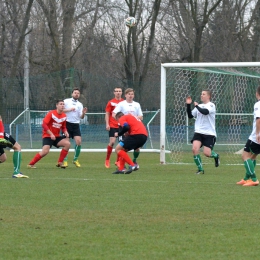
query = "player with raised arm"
x=136 y=137
x=53 y=123
x=129 y=106
x=11 y=143
x=74 y=111
x=111 y=124
x=252 y=147
x=205 y=132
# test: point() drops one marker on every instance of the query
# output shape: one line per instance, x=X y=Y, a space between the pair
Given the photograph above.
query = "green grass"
x=158 y=212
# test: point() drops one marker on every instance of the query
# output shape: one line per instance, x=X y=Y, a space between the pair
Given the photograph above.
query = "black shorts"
x=48 y=141
x=8 y=138
x=133 y=142
x=112 y=132
x=206 y=140
x=73 y=129
x=252 y=147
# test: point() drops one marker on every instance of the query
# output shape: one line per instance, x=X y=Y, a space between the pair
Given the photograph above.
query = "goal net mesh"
x=233 y=92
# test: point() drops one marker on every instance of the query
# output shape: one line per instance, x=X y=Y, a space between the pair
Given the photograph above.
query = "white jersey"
x=126 y=108
x=252 y=137
x=73 y=116
x=205 y=124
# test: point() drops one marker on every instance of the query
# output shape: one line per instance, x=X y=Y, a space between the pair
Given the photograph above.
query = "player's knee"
x=118 y=148
x=111 y=144
x=17 y=147
x=195 y=150
x=66 y=145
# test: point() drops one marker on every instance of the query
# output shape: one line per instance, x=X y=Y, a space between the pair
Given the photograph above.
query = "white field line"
x=121 y=180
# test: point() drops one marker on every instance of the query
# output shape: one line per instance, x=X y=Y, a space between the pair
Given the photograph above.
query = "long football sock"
x=77 y=152
x=247 y=176
x=126 y=157
x=17 y=157
x=35 y=159
x=2 y=129
x=250 y=169
x=63 y=154
x=121 y=163
x=109 y=151
x=197 y=160
x=135 y=154
x=65 y=159
x=213 y=154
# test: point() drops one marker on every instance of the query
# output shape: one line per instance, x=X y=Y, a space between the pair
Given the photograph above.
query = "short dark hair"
x=119 y=114
x=75 y=89
x=59 y=100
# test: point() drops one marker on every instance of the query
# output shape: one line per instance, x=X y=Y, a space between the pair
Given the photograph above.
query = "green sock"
x=247 y=176
x=135 y=154
x=65 y=159
x=250 y=170
x=77 y=152
x=197 y=160
x=17 y=157
x=254 y=162
x=213 y=154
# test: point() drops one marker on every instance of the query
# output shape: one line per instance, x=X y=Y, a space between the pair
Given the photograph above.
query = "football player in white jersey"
x=252 y=148
x=205 y=132
x=74 y=111
x=129 y=106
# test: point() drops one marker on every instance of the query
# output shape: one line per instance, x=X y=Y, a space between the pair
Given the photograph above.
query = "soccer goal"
x=233 y=87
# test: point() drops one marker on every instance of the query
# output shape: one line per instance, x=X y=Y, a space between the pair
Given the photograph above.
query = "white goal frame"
x=164 y=66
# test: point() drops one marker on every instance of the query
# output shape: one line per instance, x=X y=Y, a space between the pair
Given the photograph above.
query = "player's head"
x=206 y=95
x=118 y=92
x=258 y=93
x=75 y=93
x=60 y=105
x=118 y=115
x=129 y=94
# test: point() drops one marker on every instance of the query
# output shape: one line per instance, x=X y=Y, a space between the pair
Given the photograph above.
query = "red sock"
x=125 y=156
x=35 y=159
x=117 y=158
x=2 y=129
x=109 y=151
x=121 y=163
x=63 y=154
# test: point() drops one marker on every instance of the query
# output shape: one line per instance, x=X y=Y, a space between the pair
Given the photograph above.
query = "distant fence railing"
x=26 y=128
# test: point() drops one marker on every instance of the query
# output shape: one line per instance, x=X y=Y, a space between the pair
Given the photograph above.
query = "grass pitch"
x=158 y=212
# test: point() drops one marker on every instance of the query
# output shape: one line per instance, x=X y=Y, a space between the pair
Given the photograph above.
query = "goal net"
x=233 y=87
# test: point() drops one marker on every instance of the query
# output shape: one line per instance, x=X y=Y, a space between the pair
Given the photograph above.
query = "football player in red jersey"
x=111 y=124
x=52 y=124
x=136 y=136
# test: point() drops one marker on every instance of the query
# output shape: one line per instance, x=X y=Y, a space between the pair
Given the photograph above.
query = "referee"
x=74 y=111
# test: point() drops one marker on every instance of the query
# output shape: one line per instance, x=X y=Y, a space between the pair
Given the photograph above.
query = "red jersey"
x=135 y=124
x=111 y=105
x=55 y=123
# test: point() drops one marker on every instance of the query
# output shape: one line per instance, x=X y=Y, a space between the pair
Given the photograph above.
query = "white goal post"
x=233 y=86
